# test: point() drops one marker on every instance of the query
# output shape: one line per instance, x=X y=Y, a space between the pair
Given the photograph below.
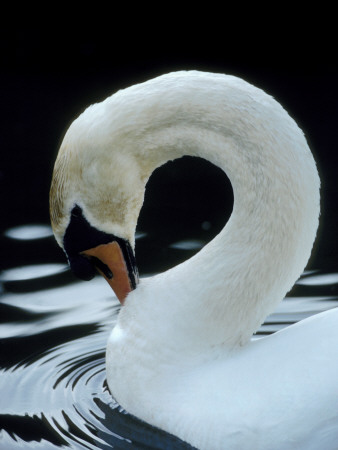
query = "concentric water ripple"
x=54 y=391
x=53 y=334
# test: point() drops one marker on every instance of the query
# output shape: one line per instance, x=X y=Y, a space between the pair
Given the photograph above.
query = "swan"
x=180 y=356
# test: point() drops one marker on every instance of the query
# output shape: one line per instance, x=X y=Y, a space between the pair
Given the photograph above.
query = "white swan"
x=180 y=356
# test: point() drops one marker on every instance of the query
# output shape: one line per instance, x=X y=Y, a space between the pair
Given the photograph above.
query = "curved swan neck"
x=238 y=278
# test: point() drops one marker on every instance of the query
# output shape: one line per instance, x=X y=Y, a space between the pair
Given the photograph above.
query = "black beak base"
x=80 y=236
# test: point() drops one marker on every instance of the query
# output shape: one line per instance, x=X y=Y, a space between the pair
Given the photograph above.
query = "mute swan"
x=181 y=356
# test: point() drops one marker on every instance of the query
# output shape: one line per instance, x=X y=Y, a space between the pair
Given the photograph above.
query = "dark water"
x=53 y=329
x=53 y=335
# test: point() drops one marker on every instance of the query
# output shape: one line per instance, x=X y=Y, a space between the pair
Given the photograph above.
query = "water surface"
x=53 y=334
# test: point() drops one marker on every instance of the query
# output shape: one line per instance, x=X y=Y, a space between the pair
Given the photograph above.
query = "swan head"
x=89 y=249
x=95 y=201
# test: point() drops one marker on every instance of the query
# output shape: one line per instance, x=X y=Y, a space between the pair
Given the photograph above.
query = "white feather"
x=181 y=355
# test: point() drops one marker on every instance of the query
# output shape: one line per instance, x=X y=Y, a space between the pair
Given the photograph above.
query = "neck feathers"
x=238 y=278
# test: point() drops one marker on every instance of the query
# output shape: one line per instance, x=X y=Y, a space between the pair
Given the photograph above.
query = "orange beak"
x=111 y=264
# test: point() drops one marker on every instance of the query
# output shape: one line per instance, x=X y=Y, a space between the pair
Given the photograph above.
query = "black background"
x=50 y=73
x=53 y=64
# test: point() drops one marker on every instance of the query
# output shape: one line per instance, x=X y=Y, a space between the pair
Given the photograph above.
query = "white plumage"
x=181 y=355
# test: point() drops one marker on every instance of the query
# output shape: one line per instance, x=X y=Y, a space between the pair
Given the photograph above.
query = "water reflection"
x=53 y=334
x=188 y=244
x=324 y=279
x=53 y=373
x=31 y=271
x=29 y=232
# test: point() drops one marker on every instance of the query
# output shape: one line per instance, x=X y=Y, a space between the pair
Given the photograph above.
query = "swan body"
x=181 y=356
